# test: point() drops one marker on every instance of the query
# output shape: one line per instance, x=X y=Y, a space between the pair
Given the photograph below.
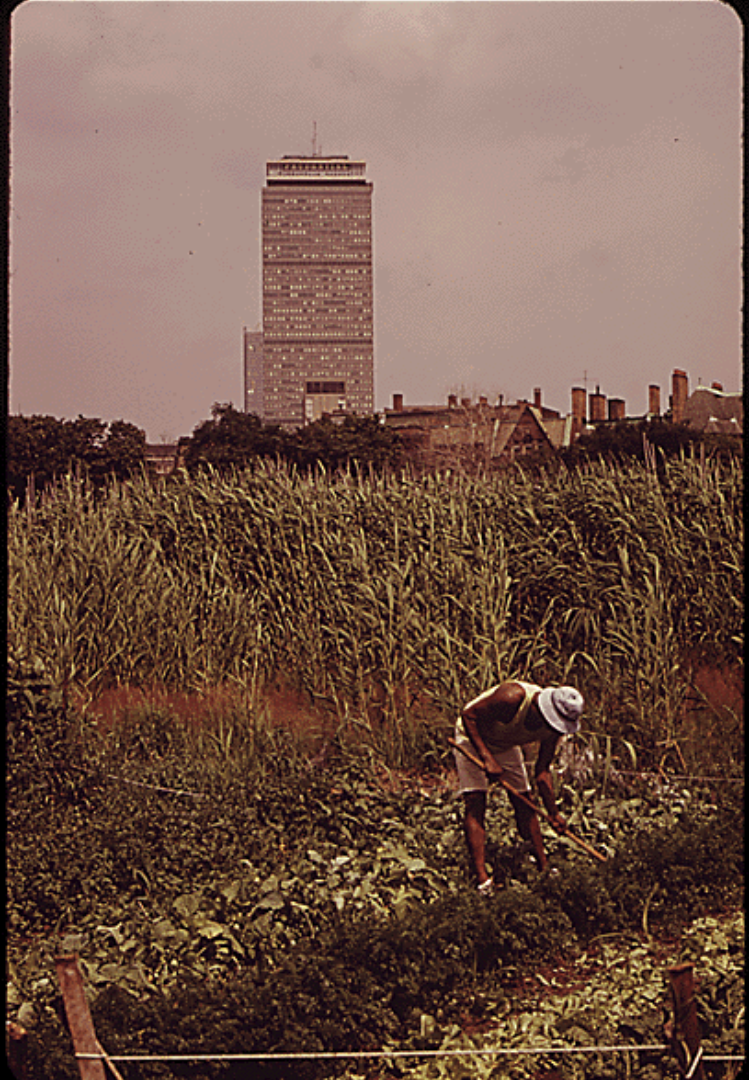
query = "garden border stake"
x=683 y=1032
x=79 y=1018
x=17 y=1049
x=529 y=802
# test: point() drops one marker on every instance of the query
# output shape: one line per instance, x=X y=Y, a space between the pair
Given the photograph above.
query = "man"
x=494 y=726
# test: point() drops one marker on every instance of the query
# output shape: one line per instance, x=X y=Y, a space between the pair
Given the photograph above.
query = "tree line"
x=40 y=449
x=635 y=439
x=233 y=439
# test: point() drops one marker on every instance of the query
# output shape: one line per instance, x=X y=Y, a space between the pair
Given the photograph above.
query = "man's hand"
x=558 y=823
x=493 y=770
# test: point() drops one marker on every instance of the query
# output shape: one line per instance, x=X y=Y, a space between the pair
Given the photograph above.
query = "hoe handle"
x=524 y=798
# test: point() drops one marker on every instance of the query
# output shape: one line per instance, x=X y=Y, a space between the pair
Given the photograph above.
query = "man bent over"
x=494 y=726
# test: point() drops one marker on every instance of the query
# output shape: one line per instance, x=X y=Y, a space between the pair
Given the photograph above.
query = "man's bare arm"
x=491 y=766
x=545 y=784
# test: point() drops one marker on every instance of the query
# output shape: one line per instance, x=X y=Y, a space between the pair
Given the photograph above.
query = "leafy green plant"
x=327 y=906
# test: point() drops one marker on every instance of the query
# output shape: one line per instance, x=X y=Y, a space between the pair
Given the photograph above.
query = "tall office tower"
x=253 y=372
x=317 y=289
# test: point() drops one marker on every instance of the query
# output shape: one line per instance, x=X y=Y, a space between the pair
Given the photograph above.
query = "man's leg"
x=473 y=786
x=529 y=828
x=475 y=830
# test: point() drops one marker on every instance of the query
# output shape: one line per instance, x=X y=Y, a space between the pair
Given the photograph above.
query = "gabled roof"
x=559 y=429
x=709 y=409
x=506 y=426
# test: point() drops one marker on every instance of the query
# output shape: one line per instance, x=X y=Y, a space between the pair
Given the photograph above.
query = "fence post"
x=17 y=1046
x=79 y=1018
x=684 y=1032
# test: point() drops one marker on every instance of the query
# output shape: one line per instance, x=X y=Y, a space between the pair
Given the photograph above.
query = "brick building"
x=464 y=432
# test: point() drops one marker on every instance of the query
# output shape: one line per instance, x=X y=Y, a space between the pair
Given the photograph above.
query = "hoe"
x=519 y=795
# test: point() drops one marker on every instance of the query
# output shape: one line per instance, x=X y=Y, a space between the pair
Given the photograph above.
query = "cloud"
x=397 y=38
x=534 y=211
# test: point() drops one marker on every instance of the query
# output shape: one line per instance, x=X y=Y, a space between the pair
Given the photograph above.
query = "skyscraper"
x=318 y=350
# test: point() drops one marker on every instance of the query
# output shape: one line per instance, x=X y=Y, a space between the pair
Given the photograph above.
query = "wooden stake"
x=684 y=1031
x=17 y=1047
x=79 y=1017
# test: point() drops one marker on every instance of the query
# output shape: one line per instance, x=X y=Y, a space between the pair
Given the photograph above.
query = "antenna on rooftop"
x=314 y=138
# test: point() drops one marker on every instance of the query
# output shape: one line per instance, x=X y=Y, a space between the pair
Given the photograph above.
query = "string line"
x=331 y=1054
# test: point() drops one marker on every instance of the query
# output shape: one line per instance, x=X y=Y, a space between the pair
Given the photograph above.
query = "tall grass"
x=388 y=600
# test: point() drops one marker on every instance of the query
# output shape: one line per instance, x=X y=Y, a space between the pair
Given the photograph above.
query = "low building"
x=711 y=410
x=162 y=458
x=463 y=433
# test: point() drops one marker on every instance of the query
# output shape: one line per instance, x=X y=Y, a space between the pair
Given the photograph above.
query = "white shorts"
x=472 y=778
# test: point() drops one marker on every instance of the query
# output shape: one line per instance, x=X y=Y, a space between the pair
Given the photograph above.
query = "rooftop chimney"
x=452 y=401
x=537 y=397
x=597 y=405
x=579 y=406
x=617 y=409
x=397 y=402
x=717 y=386
x=654 y=400
x=680 y=388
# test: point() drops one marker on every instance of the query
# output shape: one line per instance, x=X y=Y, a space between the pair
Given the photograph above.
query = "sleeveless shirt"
x=518 y=731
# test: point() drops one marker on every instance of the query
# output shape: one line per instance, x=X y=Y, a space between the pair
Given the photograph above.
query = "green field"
x=286 y=654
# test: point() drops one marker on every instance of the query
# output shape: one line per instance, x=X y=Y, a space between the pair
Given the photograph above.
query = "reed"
x=388 y=599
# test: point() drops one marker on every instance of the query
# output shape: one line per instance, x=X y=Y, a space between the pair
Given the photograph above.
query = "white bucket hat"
x=561 y=707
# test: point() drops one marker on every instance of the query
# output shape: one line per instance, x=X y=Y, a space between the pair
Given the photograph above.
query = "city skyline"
x=558 y=194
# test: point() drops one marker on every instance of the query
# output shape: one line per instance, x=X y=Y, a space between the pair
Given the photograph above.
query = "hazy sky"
x=557 y=194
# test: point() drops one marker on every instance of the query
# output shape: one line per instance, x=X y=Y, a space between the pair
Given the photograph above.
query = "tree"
x=125 y=449
x=625 y=439
x=42 y=448
x=231 y=439
x=360 y=441
x=34 y=449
